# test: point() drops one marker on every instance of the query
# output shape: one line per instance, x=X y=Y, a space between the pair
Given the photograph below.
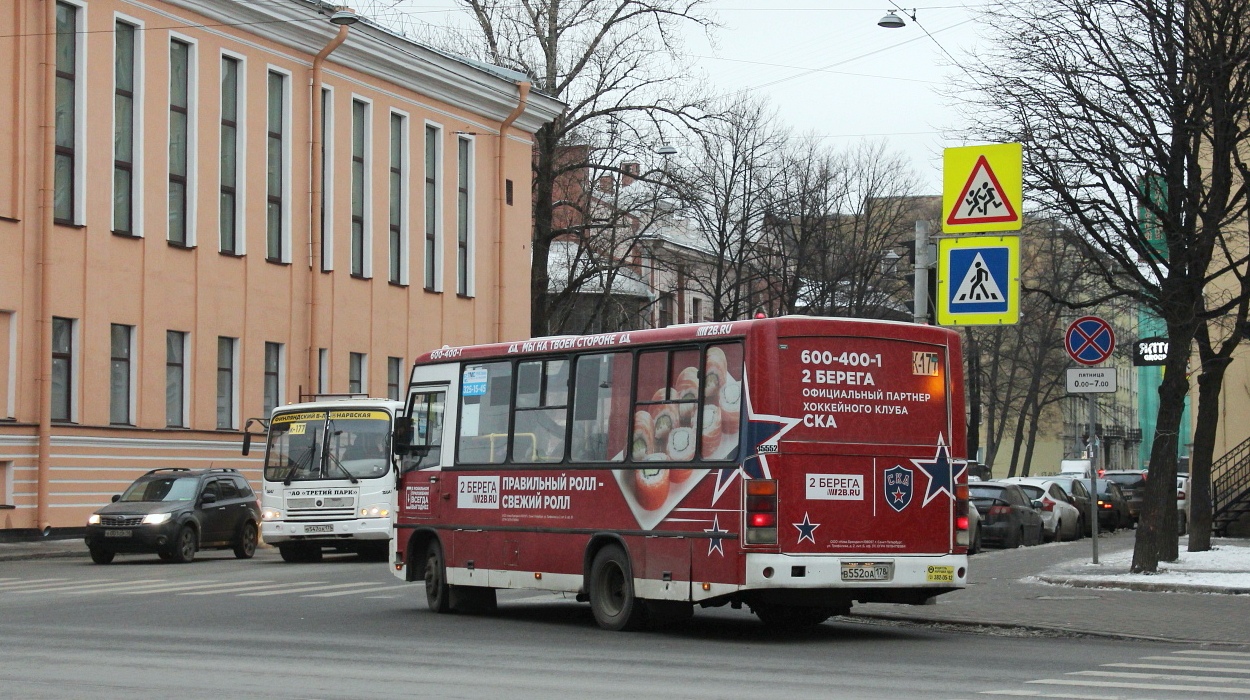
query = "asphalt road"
x=342 y=628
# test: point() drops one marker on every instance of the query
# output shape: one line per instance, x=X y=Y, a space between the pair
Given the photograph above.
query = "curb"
x=1142 y=586
x=971 y=625
x=30 y=555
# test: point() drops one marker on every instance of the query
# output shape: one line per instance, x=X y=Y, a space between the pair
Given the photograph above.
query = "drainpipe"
x=44 y=263
x=523 y=89
x=314 y=233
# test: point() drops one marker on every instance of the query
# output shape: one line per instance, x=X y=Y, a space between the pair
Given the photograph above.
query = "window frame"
x=432 y=195
x=67 y=357
x=129 y=380
x=358 y=372
x=230 y=372
x=184 y=386
x=283 y=197
x=397 y=214
x=191 y=111
x=77 y=165
x=363 y=270
x=465 y=219
x=275 y=376
x=133 y=167
x=395 y=378
x=239 y=190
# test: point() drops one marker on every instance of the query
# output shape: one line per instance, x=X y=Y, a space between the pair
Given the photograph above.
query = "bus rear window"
x=864 y=390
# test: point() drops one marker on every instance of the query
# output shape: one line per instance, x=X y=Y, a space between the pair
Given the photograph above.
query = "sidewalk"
x=1203 y=599
x=43 y=549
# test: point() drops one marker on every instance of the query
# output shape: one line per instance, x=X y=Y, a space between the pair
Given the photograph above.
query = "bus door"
x=422 y=483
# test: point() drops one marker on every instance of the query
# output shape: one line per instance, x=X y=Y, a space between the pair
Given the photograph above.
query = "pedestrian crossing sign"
x=978 y=281
x=982 y=188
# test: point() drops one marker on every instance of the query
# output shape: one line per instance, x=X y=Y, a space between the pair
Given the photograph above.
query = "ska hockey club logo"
x=898 y=480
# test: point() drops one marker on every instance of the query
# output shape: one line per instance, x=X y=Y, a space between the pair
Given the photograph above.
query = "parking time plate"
x=318 y=529
x=118 y=533
x=867 y=570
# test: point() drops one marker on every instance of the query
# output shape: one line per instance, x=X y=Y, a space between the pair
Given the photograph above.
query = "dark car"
x=1133 y=485
x=1008 y=518
x=1112 y=506
x=174 y=513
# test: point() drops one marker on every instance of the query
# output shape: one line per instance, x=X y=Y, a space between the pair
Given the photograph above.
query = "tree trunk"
x=1156 y=539
x=544 y=186
x=1202 y=456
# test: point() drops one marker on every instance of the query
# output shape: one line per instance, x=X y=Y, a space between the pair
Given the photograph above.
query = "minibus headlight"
x=271 y=514
x=375 y=511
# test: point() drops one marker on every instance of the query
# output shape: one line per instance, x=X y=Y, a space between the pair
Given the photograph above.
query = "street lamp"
x=891 y=21
x=343 y=18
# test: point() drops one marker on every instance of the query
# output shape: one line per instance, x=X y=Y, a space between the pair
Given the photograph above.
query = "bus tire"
x=611 y=591
x=437 y=592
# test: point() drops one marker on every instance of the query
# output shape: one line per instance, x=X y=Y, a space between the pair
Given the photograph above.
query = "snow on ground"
x=1226 y=565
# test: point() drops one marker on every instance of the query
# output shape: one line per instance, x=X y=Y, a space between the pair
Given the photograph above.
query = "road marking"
x=1195 y=659
x=1040 y=694
x=307 y=587
x=1168 y=667
x=1240 y=654
x=237 y=586
x=1144 y=686
x=1160 y=676
x=100 y=585
x=174 y=586
x=388 y=587
x=33 y=583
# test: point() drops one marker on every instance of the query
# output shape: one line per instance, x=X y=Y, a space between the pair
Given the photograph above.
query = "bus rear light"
x=763 y=520
x=961 y=523
x=761 y=515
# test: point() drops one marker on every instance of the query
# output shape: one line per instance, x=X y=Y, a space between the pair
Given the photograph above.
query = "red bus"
x=796 y=465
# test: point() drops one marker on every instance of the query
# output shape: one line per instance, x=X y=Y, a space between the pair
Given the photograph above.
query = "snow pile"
x=1226 y=565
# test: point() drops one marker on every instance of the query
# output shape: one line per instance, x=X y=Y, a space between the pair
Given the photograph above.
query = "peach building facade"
x=169 y=267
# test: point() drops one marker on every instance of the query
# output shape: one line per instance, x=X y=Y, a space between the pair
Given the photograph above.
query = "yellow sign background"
x=1012 y=291
x=958 y=166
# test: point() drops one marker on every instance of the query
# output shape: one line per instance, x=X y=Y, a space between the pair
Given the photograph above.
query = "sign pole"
x=1093 y=472
x=920 y=288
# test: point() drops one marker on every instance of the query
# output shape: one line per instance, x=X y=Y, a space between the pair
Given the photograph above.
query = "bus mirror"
x=247 y=443
x=403 y=436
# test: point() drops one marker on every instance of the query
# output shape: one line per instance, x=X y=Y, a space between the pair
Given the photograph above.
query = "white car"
x=1061 y=518
x=1182 y=504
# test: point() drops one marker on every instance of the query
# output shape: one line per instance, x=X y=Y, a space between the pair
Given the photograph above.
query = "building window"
x=225 y=382
x=175 y=379
x=327 y=182
x=359 y=186
x=62 y=368
x=275 y=248
x=394 y=377
x=123 y=128
x=119 y=374
x=65 y=164
x=464 y=263
x=179 y=139
x=273 y=375
x=398 y=128
x=357 y=371
x=229 y=204
x=323 y=370
x=666 y=311
x=432 y=281
x=696 y=310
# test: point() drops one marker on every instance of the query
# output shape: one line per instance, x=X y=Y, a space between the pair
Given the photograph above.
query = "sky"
x=824 y=64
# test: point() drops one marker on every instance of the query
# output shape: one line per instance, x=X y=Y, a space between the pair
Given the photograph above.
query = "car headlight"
x=156 y=518
x=377 y=511
x=93 y=519
x=271 y=514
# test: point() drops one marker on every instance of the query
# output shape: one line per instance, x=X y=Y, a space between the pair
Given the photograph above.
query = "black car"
x=1008 y=518
x=1113 y=510
x=174 y=513
x=1133 y=485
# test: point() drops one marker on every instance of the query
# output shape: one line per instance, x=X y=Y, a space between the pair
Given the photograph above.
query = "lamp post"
x=343 y=18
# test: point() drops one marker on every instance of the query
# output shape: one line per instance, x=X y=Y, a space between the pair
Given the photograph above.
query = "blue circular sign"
x=1089 y=340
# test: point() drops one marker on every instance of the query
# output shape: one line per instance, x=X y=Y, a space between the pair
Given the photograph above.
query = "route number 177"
x=924 y=364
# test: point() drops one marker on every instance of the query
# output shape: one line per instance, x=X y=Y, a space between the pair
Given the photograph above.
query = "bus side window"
x=600 y=407
x=485 y=403
x=427 y=431
x=541 y=408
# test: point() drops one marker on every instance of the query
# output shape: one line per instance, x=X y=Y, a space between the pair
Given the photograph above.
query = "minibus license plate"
x=315 y=529
x=867 y=570
x=118 y=533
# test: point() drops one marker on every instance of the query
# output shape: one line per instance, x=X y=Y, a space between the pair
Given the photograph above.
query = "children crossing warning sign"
x=978 y=280
x=982 y=188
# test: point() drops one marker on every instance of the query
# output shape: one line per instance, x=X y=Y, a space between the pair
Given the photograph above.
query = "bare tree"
x=617 y=65
x=1121 y=103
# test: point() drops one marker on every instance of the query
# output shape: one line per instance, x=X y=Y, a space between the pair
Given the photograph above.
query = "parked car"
x=1112 y=506
x=1009 y=518
x=974 y=528
x=1133 y=483
x=1182 y=504
x=1078 y=493
x=1062 y=517
x=175 y=512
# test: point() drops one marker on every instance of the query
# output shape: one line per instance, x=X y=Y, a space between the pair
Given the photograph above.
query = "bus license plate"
x=317 y=529
x=867 y=570
x=118 y=533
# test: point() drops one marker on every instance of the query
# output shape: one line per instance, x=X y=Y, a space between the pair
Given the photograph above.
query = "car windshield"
x=171 y=488
x=1125 y=479
x=985 y=492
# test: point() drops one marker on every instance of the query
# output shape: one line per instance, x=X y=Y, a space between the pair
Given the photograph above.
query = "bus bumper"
x=279 y=531
x=786 y=571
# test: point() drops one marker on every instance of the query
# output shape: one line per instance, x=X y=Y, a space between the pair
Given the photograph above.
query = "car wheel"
x=1013 y=540
x=245 y=546
x=977 y=546
x=184 y=545
x=102 y=556
x=437 y=595
x=612 y=591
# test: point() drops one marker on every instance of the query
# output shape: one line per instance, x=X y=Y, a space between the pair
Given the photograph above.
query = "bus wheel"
x=437 y=595
x=790 y=617
x=612 y=591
